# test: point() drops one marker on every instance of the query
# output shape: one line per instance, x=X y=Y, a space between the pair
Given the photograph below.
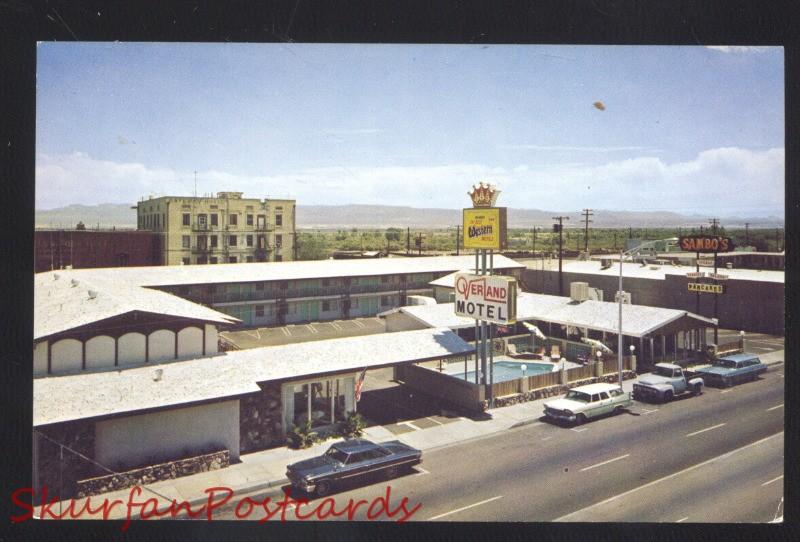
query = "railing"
x=580 y=373
x=508 y=387
x=289 y=293
x=543 y=380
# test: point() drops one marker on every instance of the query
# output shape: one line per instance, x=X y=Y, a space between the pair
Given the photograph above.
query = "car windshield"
x=663 y=371
x=336 y=455
x=578 y=396
x=728 y=363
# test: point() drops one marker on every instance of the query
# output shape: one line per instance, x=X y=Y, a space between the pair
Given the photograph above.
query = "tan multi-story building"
x=225 y=229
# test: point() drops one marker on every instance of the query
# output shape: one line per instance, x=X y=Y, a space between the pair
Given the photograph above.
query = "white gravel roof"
x=637 y=320
x=61 y=302
x=174 y=275
x=227 y=375
x=635 y=270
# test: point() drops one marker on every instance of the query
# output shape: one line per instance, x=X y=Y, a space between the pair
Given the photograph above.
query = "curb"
x=525 y=422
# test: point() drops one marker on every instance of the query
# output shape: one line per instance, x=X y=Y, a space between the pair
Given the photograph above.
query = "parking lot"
x=297 y=333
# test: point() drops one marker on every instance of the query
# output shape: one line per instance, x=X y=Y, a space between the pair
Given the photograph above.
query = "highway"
x=717 y=457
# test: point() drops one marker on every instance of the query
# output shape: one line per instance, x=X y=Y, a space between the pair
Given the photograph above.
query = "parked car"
x=351 y=459
x=665 y=382
x=733 y=369
x=590 y=401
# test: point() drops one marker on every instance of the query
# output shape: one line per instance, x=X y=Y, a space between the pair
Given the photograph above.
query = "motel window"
x=232 y=219
x=322 y=402
x=249 y=240
x=213 y=259
x=187 y=219
x=354 y=303
x=186 y=241
x=326 y=306
x=259 y=286
x=249 y=220
x=232 y=259
x=214 y=219
x=384 y=300
x=326 y=282
x=249 y=259
x=279 y=220
x=231 y=240
x=259 y=311
x=279 y=240
x=384 y=279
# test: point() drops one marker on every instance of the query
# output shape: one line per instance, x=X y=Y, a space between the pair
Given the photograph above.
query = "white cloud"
x=717 y=181
x=573 y=149
x=355 y=131
x=738 y=48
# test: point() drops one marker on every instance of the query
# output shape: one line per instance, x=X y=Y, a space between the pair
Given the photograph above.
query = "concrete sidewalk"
x=262 y=470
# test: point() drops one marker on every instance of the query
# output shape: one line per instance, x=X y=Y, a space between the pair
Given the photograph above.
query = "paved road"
x=543 y=472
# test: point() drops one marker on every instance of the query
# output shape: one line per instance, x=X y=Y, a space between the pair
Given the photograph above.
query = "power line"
x=586 y=214
x=560 y=228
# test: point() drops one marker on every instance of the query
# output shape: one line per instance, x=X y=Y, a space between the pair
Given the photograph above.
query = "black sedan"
x=351 y=459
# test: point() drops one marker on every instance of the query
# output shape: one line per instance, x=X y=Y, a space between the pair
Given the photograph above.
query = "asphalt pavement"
x=666 y=458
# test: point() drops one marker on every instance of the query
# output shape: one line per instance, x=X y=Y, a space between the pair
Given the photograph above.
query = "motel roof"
x=637 y=320
x=636 y=270
x=176 y=275
x=63 y=302
x=229 y=375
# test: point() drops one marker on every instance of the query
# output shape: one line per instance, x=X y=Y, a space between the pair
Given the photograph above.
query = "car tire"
x=697 y=389
x=322 y=488
x=667 y=396
x=391 y=472
x=618 y=410
x=580 y=419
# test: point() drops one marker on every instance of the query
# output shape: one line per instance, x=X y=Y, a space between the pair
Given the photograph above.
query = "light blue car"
x=733 y=369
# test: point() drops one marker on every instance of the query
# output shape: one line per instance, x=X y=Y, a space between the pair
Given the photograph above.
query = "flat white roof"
x=635 y=270
x=174 y=275
x=62 y=302
x=637 y=320
x=73 y=397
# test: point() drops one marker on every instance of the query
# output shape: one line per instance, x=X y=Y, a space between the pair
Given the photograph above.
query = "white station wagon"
x=590 y=401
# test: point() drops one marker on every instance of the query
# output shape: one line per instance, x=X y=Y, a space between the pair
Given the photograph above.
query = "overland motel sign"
x=491 y=298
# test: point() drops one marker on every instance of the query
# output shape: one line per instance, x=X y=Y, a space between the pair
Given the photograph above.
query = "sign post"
x=485 y=230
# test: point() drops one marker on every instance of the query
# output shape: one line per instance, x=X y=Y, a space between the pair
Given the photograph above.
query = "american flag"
x=360 y=383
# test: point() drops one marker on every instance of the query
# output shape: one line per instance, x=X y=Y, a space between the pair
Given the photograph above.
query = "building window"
x=279 y=220
x=249 y=259
x=384 y=279
x=232 y=259
x=330 y=305
x=202 y=260
x=213 y=239
x=278 y=258
x=384 y=300
x=279 y=240
x=321 y=402
x=354 y=303
x=202 y=242
x=262 y=241
x=326 y=282
x=214 y=219
x=185 y=261
x=231 y=240
x=249 y=220
x=187 y=219
x=232 y=219
x=202 y=220
x=261 y=222
x=249 y=240
x=186 y=241
x=212 y=259
x=259 y=311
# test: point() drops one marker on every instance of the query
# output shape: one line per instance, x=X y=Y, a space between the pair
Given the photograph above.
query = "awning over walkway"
x=110 y=393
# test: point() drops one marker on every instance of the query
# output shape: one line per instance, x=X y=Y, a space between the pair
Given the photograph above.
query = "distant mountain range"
x=121 y=216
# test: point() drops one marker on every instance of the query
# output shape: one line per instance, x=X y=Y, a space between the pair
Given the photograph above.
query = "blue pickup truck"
x=733 y=369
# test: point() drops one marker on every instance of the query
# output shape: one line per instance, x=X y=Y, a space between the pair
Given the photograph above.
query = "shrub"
x=353 y=425
x=301 y=436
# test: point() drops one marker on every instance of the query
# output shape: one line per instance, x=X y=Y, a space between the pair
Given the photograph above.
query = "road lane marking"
x=465 y=508
x=682 y=519
x=547 y=438
x=776 y=406
x=780 y=375
x=649 y=411
x=726 y=391
x=667 y=477
x=434 y=421
x=286 y=331
x=773 y=480
x=579 y=429
x=334 y=325
x=359 y=324
x=311 y=328
x=422 y=471
x=411 y=425
x=706 y=429
x=605 y=462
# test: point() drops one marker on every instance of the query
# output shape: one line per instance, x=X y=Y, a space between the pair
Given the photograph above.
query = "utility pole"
x=534 y=240
x=559 y=228
x=714 y=223
x=747 y=234
x=586 y=214
x=615 y=241
x=458 y=238
x=408 y=240
x=630 y=232
x=777 y=239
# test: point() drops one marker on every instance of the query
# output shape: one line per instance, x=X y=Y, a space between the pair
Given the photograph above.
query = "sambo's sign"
x=705 y=243
x=490 y=298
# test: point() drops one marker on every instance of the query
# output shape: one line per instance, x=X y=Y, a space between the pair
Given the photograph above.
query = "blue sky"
x=687 y=129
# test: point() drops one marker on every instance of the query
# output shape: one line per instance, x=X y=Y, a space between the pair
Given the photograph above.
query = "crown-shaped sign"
x=483 y=195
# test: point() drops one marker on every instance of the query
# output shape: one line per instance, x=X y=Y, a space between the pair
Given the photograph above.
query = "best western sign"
x=705 y=243
x=485 y=226
x=705 y=288
x=489 y=298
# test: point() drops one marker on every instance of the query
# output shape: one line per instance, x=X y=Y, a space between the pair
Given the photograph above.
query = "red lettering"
x=176 y=508
x=131 y=504
x=247 y=500
x=330 y=502
x=408 y=513
x=353 y=507
x=724 y=245
x=297 y=510
x=212 y=505
x=147 y=514
x=25 y=506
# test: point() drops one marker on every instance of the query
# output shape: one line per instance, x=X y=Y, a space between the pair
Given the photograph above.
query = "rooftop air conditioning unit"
x=74 y=282
x=626 y=298
x=92 y=294
x=579 y=291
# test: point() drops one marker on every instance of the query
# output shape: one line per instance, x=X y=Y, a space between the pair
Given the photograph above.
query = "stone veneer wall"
x=153 y=473
x=543 y=393
x=261 y=419
x=58 y=473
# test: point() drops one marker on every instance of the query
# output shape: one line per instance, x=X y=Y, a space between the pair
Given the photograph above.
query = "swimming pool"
x=504 y=370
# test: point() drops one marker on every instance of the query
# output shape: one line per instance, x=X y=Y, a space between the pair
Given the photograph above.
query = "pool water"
x=505 y=370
